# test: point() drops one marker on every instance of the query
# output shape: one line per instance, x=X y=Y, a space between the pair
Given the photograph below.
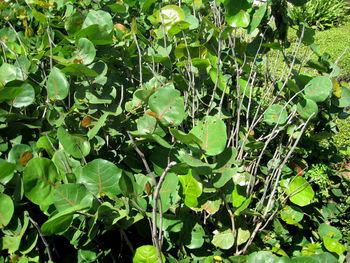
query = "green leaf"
x=306 y=108
x=57 y=85
x=325 y=258
x=333 y=245
x=275 y=114
x=344 y=99
x=212 y=132
x=257 y=18
x=98 y=125
x=6 y=168
x=301 y=192
x=167 y=106
x=74 y=23
x=330 y=231
x=243 y=206
x=223 y=240
x=79 y=70
x=242 y=236
x=169 y=15
x=70 y=195
x=64 y=163
x=241 y=19
x=61 y=221
x=236 y=15
x=191 y=189
x=146 y=124
x=85 y=52
x=25 y=98
x=97 y=34
x=47 y=143
x=8 y=73
x=100 y=18
x=196 y=239
x=39 y=179
x=74 y=145
x=12 y=242
x=224 y=176
x=9 y=93
x=16 y=153
x=292 y=215
x=29 y=241
x=318 y=89
x=194 y=162
x=222 y=81
x=261 y=257
x=185 y=138
x=168 y=191
x=101 y=176
x=6 y=210
x=147 y=254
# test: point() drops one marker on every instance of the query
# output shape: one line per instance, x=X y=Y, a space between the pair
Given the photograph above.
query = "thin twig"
x=46 y=244
x=156 y=198
x=142 y=156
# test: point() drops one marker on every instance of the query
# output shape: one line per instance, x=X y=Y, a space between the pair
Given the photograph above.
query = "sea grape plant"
x=160 y=125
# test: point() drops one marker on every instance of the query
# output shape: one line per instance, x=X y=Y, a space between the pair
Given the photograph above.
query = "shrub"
x=152 y=125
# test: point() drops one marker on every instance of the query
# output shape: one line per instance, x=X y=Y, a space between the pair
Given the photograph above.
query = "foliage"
x=320 y=14
x=152 y=125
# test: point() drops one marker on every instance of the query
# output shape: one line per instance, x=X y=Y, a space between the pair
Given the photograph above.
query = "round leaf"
x=146 y=254
x=39 y=178
x=169 y=15
x=101 y=176
x=85 y=53
x=262 y=257
x=318 y=89
x=306 y=108
x=241 y=19
x=57 y=85
x=70 y=195
x=212 y=132
x=275 y=114
x=242 y=236
x=6 y=210
x=100 y=18
x=167 y=106
x=330 y=231
x=292 y=215
x=223 y=240
x=25 y=98
x=333 y=245
x=8 y=73
x=301 y=192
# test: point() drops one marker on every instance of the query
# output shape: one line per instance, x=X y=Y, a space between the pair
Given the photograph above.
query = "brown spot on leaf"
x=26 y=157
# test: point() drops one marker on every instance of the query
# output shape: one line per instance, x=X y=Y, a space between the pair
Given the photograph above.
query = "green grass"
x=334 y=41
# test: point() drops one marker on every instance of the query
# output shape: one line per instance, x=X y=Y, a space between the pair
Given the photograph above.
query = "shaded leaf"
x=6 y=210
x=39 y=178
x=57 y=85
